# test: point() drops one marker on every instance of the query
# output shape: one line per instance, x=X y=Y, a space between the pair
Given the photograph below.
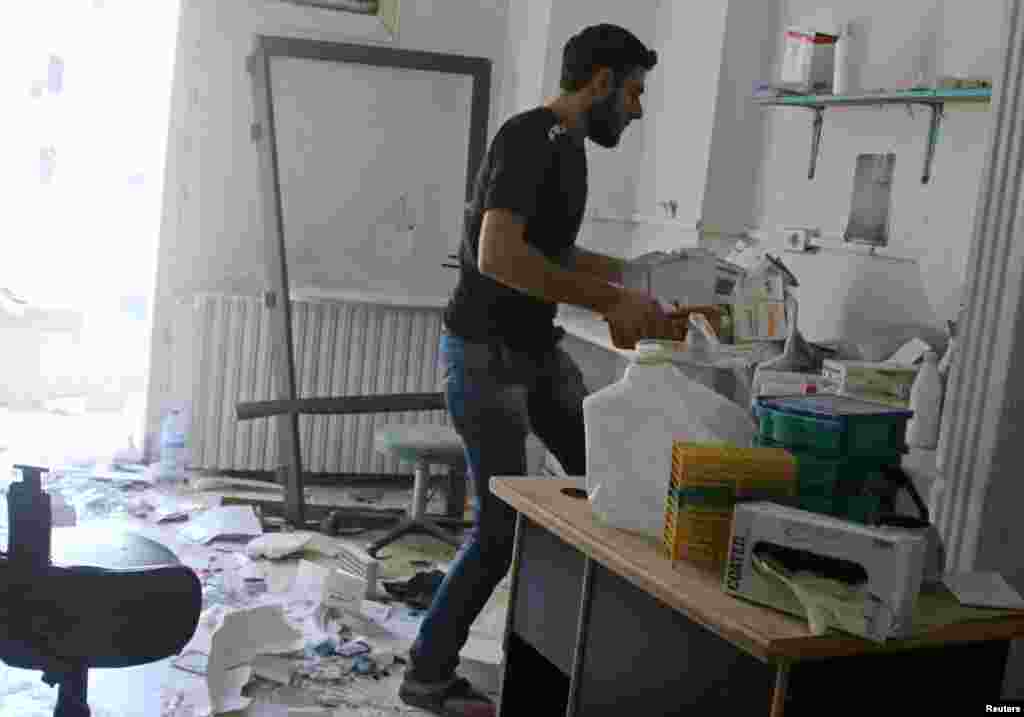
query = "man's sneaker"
x=453 y=698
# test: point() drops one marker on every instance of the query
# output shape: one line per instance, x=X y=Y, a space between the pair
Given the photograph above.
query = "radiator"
x=341 y=348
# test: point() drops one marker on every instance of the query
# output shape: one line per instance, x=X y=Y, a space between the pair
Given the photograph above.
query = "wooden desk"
x=600 y=623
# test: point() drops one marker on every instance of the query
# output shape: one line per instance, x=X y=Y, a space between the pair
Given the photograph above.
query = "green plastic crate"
x=836 y=486
x=833 y=426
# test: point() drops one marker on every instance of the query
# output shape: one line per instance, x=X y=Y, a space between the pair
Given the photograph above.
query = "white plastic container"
x=697 y=362
x=945 y=422
x=841 y=71
x=173 y=447
x=808 y=61
x=926 y=403
x=630 y=427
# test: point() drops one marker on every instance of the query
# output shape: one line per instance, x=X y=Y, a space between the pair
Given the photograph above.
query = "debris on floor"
x=232 y=522
x=354 y=647
x=217 y=482
x=273 y=668
x=348 y=650
x=193 y=662
x=418 y=591
x=277 y=546
x=331 y=585
x=238 y=637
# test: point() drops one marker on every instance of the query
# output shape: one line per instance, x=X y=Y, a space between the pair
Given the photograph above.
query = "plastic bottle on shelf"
x=173 y=447
x=926 y=403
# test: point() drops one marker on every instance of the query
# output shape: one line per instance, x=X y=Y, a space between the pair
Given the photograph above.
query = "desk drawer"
x=546 y=606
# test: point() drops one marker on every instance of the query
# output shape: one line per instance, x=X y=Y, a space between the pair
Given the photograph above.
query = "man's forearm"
x=607 y=268
x=533 y=274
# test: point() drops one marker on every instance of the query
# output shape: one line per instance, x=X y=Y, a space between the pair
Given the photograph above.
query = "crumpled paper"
x=277 y=545
x=237 y=637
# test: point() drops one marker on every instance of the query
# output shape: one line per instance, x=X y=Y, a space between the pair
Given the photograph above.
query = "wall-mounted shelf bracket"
x=934 y=127
x=819 y=123
x=935 y=100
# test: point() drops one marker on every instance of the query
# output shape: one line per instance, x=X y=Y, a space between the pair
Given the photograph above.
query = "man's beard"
x=605 y=122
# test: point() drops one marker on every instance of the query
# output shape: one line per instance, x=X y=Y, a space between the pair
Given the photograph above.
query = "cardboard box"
x=764 y=287
x=686 y=276
x=760 y=321
x=882 y=382
x=889 y=561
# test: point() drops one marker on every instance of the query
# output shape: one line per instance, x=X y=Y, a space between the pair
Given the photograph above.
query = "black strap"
x=897 y=475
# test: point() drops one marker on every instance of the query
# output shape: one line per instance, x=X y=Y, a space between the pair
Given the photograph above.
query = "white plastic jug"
x=926 y=403
x=630 y=427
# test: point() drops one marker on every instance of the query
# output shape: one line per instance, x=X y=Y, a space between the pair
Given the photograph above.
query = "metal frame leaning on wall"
x=276 y=262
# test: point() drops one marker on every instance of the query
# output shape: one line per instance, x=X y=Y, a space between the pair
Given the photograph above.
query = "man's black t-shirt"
x=537 y=170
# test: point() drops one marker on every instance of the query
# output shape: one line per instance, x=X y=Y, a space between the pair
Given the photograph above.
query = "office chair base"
x=410 y=526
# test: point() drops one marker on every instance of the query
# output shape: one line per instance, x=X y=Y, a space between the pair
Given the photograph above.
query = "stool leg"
x=417 y=521
x=419 y=491
x=413 y=527
x=405 y=527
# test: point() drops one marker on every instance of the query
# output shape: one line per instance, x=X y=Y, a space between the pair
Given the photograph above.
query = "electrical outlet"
x=798 y=240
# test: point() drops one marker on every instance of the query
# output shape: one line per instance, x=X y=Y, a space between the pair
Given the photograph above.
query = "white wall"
x=213 y=236
x=740 y=126
x=681 y=106
x=521 y=70
x=702 y=137
x=933 y=221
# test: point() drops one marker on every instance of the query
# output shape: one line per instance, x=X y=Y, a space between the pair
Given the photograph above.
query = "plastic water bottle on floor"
x=173 y=449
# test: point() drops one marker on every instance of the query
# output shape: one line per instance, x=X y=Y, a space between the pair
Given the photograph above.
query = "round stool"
x=423 y=446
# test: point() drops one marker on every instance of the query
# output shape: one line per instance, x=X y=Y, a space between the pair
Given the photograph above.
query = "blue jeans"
x=495 y=397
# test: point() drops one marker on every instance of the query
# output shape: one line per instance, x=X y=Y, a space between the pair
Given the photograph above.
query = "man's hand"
x=637 y=315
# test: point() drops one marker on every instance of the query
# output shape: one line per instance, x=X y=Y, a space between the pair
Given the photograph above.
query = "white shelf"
x=862 y=250
x=774 y=238
x=315 y=294
x=638 y=219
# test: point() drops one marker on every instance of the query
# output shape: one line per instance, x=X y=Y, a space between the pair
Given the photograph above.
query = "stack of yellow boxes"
x=707 y=481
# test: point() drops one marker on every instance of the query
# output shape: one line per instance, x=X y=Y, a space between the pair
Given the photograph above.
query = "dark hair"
x=603 y=46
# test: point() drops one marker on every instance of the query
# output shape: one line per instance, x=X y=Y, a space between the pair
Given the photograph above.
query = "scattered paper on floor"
x=238 y=638
x=277 y=545
x=227 y=522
